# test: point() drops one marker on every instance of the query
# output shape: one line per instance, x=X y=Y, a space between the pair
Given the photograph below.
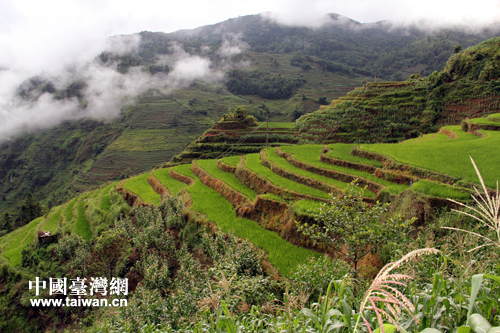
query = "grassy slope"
x=232 y=160
x=440 y=153
x=210 y=166
x=68 y=210
x=105 y=204
x=282 y=254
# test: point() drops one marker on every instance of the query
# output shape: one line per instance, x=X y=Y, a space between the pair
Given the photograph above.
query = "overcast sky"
x=54 y=38
x=37 y=33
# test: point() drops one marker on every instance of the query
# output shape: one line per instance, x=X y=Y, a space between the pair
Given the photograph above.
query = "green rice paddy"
x=281 y=254
x=342 y=151
x=449 y=156
x=139 y=185
x=82 y=226
x=311 y=154
x=52 y=223
x=173 y=185
x=68 y=211
x=210 y=166
x=254 y=164
x=15 y=246
x=273 y=157
x=232 y=160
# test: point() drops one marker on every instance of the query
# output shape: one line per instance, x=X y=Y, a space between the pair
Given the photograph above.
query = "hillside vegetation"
x=467 y=87
x=251 y=242
x=291 y=71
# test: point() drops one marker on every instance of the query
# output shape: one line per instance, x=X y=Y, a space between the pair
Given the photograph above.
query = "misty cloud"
x=103 y=89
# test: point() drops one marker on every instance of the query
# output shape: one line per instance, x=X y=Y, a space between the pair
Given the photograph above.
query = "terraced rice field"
x=139 y=185
x=342 y=151
x=52 y=223
x=13 y=246
x=431 y=150
x=281 y=254
x=439 y=153
x=253 y=163
x=210 y=166
x=81 y=225
x=173 y=185
x=273 y=157
x=310 y=154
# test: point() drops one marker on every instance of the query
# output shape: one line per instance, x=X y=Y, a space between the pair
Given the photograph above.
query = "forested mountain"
x=274 y=69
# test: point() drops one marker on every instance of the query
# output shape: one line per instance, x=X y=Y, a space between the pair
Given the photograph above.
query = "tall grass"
x=210 y=166
x=139 y=185
x=281 y=254
x=253 y=163
x=487 y=212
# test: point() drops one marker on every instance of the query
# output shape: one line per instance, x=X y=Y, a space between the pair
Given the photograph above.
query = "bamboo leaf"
x=478 y=323
x=388 y=328
x=476 y=284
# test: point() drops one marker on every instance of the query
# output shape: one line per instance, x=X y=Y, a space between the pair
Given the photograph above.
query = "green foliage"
x=67 y=246
x=30 y=210
x=261 y=83
x=316 y=274
x=355 y=224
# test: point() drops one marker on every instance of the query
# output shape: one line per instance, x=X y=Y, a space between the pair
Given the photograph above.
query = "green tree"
x=6 y=224
x=457 y=48
x=241 y=111
x=353 y=226
x=30 y=210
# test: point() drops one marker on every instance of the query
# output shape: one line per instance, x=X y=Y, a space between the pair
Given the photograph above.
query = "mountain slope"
x=312 y=66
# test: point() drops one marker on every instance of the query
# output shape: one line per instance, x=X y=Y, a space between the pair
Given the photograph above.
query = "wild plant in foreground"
x=384 y=290
x=488 y=207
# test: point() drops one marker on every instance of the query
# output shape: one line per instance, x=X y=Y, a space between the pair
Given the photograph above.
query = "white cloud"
x=58 y=39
